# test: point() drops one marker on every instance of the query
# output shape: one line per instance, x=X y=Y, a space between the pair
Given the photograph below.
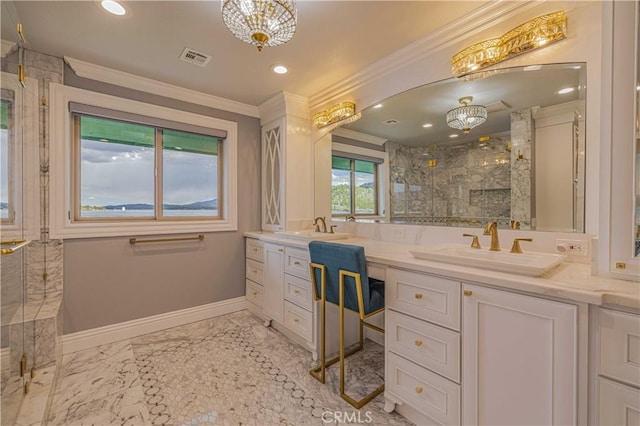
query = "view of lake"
x=146 y=213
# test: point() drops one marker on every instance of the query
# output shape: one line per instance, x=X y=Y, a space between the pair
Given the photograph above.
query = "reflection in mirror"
x=636 y=185
x=524 y=164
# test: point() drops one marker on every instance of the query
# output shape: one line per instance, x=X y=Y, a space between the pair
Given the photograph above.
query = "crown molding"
x=6 y=47
x=359 y=136
x=468 y=25
x=131 y=81
x=284 y=104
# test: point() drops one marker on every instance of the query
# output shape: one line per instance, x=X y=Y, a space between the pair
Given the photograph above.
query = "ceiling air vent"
x=194 y=57
x=391 y=122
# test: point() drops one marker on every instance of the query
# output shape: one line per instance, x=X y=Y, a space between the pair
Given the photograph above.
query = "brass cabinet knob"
x=418 y=296
x=296 y=320
x=296 y=263
x=280 y=250
x=255 y=249
x=255 y=293
x=418 y=389
x=418 y=342
x=467 y=292
x=296 y=291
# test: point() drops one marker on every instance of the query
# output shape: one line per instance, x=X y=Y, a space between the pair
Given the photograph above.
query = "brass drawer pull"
x=418 y=389
x=418 y=296
x=255 y=271
x=255 y=293
x=280 y=250
x=418 y=342
x=254 y=249
x=296 y=263
x=467 y=292
x=296 y=291
x=296 y=320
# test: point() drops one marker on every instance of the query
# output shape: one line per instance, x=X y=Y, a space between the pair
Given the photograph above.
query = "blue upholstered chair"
x=339 y=276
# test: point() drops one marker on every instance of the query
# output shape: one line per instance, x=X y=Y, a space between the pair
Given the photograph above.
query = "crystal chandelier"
x=466 y=117
x=260 y=22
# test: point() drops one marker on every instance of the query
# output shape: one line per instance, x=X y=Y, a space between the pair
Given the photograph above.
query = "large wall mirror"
x=524 y=166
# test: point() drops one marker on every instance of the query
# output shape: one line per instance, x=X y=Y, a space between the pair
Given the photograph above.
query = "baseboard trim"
x=125 y=330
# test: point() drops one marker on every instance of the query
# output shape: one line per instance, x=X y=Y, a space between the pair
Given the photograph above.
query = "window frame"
x=352 y=187
x=24 y=160
x=382 y=177
x=63 y=162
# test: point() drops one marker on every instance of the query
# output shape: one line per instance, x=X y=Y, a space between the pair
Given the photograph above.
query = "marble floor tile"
x=227 y=370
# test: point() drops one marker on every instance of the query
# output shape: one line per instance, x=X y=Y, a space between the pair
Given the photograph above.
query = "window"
x=7 y=209
x=127 y=170
x=354 y=186
x=124 y=168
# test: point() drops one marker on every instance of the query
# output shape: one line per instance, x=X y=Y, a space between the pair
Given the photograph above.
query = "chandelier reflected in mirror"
x=260 y=22
x=466 y=117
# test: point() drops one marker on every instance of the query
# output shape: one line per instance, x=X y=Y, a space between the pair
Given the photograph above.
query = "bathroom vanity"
x=460 y=339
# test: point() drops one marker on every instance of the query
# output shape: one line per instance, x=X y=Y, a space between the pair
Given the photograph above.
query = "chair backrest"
x=336 y=257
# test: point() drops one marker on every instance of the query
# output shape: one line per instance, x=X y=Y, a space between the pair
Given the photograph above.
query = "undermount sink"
x=314 y=235
x=531 y=263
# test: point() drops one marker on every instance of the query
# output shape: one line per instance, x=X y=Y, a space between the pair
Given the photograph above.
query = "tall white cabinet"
x=287 y=152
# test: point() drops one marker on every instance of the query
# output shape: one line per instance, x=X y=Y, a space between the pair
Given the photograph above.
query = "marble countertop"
x=570 y=281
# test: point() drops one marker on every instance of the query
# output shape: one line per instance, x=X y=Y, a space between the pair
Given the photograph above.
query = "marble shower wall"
x=463 y=184
x=521 y=176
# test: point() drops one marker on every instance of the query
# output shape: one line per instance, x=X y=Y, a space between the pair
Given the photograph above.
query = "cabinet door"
x=273 y=176
x=273 y=282
x=619 y=404
x=519 y=359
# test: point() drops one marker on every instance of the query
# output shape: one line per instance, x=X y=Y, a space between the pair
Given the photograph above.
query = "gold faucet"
x=350 y=218
x=515 y=248
x=320 y=220
x=475 y=243
x=492 y=229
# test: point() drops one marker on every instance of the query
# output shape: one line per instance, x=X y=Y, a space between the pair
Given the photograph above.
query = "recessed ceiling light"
x=377 y=106
x=453 y=135
x=280 y=69
x=566 y=90
x=114 y=7
x=427 y=125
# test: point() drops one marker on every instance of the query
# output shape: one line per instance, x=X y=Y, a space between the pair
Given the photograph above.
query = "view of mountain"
x=198 y=205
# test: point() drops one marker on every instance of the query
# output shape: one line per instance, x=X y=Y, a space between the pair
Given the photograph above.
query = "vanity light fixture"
x=533 y=34
x=114 y=7
x=338 y=112
x=261 y=22
x=466 y=117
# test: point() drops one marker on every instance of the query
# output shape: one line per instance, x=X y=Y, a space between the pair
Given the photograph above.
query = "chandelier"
x=466 y=117
x=260 y=22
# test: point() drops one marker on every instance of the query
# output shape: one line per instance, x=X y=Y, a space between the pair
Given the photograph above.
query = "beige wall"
x=107 y=282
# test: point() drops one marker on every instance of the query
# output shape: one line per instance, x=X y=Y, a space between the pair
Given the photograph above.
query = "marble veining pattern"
x=440 y=184
x=521 y=142
x=226 y=370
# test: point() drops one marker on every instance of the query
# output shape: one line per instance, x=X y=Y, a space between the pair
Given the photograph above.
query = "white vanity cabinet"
x=279 y=290
x=422 y=347
x=519 y=364
x=619 y=368
x=458 y=353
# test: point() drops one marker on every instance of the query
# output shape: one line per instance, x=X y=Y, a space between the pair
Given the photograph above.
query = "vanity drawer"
x=424 y=296
x=296 y=262
x=423 y=343
x=254 y=271
x=254 y=293
x=425 y=391
x=255 y=249
x=620 y=346
x=298 y=291
x=298 y=320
